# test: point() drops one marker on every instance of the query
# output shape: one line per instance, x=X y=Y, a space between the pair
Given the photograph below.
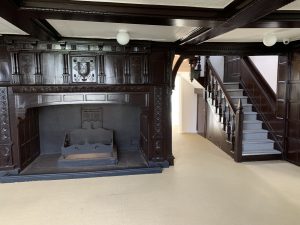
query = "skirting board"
x=61 y=176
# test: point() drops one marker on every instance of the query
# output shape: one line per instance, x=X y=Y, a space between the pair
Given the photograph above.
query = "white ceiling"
x=86 y=29
x=8 y=28
x=193 y=3
x=292 y=6
x=257 y=34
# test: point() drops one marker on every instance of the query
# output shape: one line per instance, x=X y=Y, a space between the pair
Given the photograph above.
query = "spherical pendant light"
x=269 y=40
x=123 y=37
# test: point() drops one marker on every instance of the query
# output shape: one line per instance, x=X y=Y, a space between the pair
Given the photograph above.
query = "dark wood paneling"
x=29 y=142
x=232 y=69
x=292 y=117
x=5 y=68
x=215 y=132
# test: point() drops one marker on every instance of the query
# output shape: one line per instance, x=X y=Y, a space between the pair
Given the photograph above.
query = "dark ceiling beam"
x=231 y=48
x=9 y=11
x=278 y=19
x=228 y=11
x=123 y=13
x=251 y=12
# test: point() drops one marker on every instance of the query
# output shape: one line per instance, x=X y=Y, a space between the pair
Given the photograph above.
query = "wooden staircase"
x=244 y=131
x=255 y=138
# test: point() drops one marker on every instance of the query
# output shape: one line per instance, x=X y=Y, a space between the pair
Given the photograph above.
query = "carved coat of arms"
x=83 y=69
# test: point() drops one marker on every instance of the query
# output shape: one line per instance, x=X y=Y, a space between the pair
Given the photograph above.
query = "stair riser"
x=252 y=126
x=257 y=146
x=231 y=86
x=236 y=93
x=250 y=117
x=236 y=100
x=254 y=136
x=247 y=108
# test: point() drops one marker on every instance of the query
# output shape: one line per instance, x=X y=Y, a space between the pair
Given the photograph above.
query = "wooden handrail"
x=220 y=83
x=260 y=81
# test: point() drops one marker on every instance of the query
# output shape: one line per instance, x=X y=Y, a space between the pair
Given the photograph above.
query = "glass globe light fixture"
x=123 y=37
x=269 y=40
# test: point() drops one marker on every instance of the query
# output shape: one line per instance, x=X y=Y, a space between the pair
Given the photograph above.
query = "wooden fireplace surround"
x=36 y=74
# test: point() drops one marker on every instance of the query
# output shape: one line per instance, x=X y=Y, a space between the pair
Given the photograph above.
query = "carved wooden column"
x=5 y=138
x=127 y=70
x=168 y=126
x=101 y=73
x=16 y=76
x=66 y=71
x=145 y=79
x=157 y=126
x=38 y=68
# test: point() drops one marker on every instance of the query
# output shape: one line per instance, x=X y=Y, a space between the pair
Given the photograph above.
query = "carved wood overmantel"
x=37 y=74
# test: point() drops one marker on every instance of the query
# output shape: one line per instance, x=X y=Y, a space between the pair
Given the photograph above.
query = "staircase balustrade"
x=230 y=116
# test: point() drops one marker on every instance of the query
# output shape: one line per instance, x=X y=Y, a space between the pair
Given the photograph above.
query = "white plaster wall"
x=268 y=66
x=176 y=102
x=184 y=104
x=218 y=64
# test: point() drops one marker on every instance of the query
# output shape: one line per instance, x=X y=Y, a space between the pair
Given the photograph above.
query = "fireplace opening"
x=81 y=137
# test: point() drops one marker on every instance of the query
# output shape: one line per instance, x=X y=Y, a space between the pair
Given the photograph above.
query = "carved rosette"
x=5 y=140
x=157 y=137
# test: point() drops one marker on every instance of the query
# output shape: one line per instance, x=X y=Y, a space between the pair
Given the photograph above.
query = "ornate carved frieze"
x=5 y=140
x=80 y=88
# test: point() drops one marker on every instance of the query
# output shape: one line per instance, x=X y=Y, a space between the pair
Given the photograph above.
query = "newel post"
x=239 y=132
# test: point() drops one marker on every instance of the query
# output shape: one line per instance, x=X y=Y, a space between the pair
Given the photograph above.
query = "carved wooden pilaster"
x=5 y=138
x=101 y=73
x=66 y=70
x=145 y=79
x=157 y=134
x=16 y=76
x=127 y=70
x=38 y=68
x=168 y=126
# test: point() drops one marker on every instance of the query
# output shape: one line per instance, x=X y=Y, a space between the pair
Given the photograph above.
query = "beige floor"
x=204 y=187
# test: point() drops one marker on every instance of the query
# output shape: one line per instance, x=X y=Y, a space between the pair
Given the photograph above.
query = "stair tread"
x=252 y=121
x=250 y=112
x=258 y=141
x=262 y=152
x=245 y=104
x=244 y=97
x=234 y=89
x=255 y=131
x=231 y=83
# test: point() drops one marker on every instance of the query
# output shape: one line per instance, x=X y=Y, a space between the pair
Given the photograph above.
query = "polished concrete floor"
x=205 y=187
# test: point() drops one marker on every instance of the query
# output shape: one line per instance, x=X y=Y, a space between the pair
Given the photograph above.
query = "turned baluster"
x=209 y=84
x=212 y=90
x=233 y=132
x=224 y=115
x=216 y=98
x=220 y=105
x=229 y=125
x=239 y=132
